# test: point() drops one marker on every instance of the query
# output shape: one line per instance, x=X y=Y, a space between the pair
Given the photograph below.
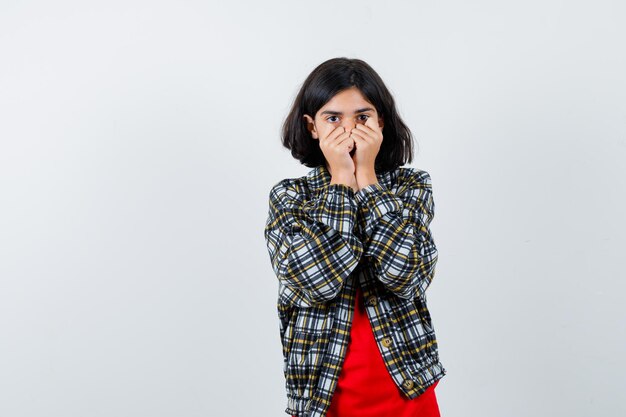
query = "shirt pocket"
x=305 y=361
x=307 y=345
x=415 y=334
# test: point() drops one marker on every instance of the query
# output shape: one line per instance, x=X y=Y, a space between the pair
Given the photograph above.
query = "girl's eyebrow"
x=338 y=113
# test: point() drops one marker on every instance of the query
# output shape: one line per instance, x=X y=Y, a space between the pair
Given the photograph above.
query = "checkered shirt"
x=325 y=240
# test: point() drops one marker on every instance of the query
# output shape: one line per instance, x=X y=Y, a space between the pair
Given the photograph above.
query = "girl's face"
x=346 y=108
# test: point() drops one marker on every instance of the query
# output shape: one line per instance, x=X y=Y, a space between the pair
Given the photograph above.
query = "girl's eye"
x=365 y=117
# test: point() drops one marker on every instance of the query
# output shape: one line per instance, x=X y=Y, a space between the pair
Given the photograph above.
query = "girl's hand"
x=336 y=148
x=367 y=137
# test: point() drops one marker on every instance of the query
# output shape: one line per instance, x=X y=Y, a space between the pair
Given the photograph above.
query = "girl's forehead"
x=346 y=102
x=337 y=111
x=349 y=94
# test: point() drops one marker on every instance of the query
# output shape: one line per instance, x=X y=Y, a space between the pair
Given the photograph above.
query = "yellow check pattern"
x=325 y=240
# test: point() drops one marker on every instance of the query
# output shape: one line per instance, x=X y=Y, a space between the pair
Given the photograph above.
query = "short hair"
x=324 y=82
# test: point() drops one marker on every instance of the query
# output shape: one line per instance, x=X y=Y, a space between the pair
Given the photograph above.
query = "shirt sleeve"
x=311 y=243
x=397 y=236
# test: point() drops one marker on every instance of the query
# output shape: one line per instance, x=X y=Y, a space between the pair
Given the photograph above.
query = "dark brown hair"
x=324 y=82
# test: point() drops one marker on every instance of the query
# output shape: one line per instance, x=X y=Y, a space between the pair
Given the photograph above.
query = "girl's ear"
x=310 y=125
x=381 y=122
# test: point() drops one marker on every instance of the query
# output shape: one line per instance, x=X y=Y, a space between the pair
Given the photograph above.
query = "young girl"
x=352 y=250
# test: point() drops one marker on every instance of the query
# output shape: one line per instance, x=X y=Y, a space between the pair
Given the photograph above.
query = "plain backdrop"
x=138 y=144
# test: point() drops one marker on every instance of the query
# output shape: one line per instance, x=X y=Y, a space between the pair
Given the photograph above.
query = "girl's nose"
x=349 y=125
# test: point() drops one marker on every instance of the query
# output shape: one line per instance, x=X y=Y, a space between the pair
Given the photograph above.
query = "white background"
x=138 y=144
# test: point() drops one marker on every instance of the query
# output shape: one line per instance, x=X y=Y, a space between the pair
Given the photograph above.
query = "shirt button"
x=387 y=341
x=371 y=300
x=408 y=384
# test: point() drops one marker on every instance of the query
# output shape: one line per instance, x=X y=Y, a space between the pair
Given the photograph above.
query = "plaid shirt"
x=325 y=240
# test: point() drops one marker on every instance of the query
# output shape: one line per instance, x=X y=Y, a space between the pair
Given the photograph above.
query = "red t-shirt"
x=365 y=388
